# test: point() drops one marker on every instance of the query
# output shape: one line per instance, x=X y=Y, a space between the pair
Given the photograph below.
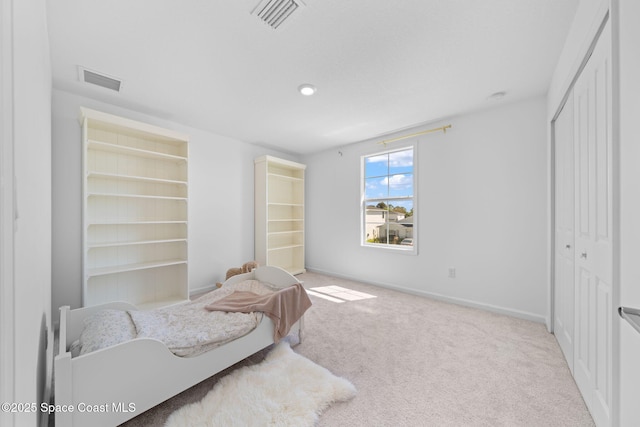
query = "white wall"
x=482 y=209
x=7 y=283
x=583 y=30
x=30 y=105
x=220 y=198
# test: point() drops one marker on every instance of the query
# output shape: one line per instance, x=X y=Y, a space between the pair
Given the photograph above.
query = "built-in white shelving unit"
x=135 y=196
x=279 y=213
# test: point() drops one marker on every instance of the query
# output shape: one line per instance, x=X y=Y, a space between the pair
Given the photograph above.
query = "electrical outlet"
x=452 y=273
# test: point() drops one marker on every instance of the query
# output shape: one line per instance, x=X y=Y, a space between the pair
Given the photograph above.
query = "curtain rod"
x=442 y=128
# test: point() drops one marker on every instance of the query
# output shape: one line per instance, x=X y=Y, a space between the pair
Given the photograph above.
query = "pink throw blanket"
x=283 y=307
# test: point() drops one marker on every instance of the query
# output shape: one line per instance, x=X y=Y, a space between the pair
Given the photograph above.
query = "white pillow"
x=106 y=328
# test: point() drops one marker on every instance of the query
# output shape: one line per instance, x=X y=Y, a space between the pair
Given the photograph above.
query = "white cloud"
x=397 y=181
x=377 y=159
x=401 y=158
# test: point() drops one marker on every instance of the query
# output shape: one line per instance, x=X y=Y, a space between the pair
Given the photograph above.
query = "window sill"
x=398 y=249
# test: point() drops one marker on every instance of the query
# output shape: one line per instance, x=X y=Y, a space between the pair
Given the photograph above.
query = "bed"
x=109 y=386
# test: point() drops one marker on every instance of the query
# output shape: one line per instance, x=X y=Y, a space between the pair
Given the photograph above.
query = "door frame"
x=7 y=212
x=558 y=254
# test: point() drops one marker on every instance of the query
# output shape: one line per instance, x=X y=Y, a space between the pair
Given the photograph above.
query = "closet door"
x=564 y=295
x=593 y=221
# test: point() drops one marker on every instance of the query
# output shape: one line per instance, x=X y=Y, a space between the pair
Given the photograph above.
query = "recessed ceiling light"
x=496 y=96
x=307 y=89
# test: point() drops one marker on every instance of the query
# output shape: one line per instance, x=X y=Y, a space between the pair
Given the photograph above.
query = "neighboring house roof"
x=406 y=220
x=393 y=226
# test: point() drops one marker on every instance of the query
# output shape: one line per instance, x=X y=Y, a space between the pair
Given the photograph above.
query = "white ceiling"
x=379 y=65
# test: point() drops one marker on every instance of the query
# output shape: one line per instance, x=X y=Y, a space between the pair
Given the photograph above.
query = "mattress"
x=187 y=329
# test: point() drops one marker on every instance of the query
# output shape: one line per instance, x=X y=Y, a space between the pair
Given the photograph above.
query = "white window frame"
x=408 y=250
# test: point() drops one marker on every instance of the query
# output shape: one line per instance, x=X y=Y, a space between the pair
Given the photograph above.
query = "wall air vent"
x=275 y=12
x=99 y=79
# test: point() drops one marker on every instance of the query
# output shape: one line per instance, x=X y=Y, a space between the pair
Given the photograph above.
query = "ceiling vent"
x=99 y=79
x=275 y=12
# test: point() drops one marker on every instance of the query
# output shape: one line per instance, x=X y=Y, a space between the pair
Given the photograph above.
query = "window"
x=388 y=200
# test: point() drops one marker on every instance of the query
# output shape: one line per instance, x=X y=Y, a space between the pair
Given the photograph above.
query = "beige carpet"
x=420 y=362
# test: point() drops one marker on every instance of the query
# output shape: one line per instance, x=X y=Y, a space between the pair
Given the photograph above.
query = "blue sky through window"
x=389 y=175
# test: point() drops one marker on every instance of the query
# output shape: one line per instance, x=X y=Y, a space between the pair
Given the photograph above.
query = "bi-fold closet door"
x=583 y=303
x=564 y=290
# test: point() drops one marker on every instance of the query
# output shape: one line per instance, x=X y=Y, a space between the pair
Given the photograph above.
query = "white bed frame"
x=142 y=372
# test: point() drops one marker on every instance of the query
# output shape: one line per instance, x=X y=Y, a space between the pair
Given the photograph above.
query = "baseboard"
x=459 y=301
x=201 y=290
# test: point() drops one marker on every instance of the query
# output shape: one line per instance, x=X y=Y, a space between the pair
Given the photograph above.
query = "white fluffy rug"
x=284 y=390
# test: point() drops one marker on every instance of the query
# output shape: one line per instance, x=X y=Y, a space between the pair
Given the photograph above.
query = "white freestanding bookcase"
x=134 y=212
x=279 y=213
